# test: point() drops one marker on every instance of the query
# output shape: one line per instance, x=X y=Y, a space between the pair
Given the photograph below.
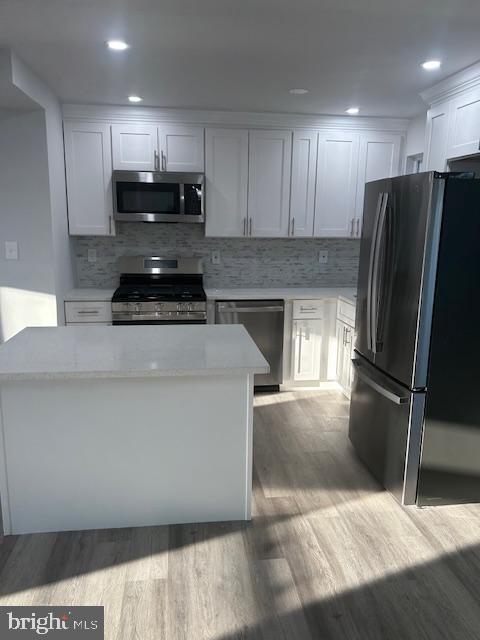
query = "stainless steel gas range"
x=158 y=290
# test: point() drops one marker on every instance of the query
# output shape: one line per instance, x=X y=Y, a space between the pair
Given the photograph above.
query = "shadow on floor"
x=437 y=600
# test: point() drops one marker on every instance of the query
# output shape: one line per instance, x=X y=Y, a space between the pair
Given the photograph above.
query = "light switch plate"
x=323 y=257
x=92 y=255
x=216 y=257
x=11 y=250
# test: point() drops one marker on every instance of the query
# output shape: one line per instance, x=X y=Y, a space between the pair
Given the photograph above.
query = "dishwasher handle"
x=225 y=309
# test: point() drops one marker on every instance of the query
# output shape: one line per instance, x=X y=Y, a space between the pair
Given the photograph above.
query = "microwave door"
x=158 y=196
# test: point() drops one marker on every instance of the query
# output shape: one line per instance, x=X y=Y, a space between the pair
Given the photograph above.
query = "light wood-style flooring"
x=328 y=555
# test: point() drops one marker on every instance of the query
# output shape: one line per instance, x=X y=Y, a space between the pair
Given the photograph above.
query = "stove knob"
x=180 y=306
x=159 y=306
x=137 y=308
x=190 y=306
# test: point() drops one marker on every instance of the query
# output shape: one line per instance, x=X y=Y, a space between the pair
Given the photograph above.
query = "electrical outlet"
x=92 y=255
x=323 y=257
x=11 y=250
x=216 y=257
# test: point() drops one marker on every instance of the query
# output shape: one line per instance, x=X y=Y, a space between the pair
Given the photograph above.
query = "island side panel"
x=101 y=453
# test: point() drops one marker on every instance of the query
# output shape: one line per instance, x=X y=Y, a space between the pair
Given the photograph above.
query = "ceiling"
x=245 y=54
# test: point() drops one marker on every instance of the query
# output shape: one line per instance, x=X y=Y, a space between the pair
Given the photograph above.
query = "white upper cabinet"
x=304 y=171
x=158 y=148
x=181 y=148
x=379 y=157
x=336 y=184
x=270 y=155
x=135 y=147
x=464 y=126
x=226 y=182
x=88 y=161
x=436 y=137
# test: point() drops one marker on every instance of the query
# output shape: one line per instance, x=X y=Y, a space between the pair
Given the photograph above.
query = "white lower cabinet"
x=344 y=356
x=88 y=312
x=306 y=349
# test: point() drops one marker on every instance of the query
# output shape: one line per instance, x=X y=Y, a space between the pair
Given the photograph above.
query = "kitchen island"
x=126 y=426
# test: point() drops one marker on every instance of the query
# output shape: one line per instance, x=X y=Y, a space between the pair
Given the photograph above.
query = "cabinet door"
x=307 y=344
x=336 y=184
x=436 y=138
x=464 y=125
x=304 y=171
x=379 y=157
x=340 y=334
x=181 y=148
x=226 y=176
x=135 y=147
x=344 y=335
x=88 y=162
x=269 y=183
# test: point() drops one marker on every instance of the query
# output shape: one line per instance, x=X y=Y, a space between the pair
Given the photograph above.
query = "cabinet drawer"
x=83 y=311
x=346 y=312
x=307 y=309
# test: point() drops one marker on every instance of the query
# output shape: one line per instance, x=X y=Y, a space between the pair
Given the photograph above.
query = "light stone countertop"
x=89 y=294
x=283 y=293
x=259 y=293
x=59 y=353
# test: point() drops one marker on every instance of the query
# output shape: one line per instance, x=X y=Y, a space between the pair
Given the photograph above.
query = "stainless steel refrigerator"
x=415 y=409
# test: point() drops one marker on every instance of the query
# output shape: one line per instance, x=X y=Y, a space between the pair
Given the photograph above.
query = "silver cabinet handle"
x=156 y=161
x=244 y=226
x=110 y=225
x=293 y=227
x=86 y=312
x=358 y=227
x=250 y=228
x=308 y=308
x=164 y=162
x=351 y=226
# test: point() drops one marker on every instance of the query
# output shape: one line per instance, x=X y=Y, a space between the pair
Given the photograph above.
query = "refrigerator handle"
x=386 y=393
x=376 y=270
x=373 y=249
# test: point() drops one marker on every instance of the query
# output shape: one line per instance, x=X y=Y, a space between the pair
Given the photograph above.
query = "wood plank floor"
x=329 y=555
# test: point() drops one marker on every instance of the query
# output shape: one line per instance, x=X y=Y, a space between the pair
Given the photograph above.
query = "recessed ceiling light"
x=298 y=92
x=431 y=65
x=352 y=111
x=117 y=45
x=135 y=98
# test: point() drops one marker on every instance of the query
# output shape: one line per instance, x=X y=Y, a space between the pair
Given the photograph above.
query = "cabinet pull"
x=156 y=162
x=351 y=226
x=87 y=312
x=110 y=225
x=250 y=227
x=358 y=227
x=164 y=162
x=293 y=226
x=244 y=226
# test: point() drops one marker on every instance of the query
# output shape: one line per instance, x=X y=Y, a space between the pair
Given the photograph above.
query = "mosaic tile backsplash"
x=244 y=262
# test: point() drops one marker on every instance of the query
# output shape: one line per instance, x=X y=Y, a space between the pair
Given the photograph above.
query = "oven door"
x=151 y=196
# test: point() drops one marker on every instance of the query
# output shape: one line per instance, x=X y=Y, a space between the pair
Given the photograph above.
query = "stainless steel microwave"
x=155 y=196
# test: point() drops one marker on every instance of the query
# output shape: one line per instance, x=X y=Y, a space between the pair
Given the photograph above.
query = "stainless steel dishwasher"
x=263 y=319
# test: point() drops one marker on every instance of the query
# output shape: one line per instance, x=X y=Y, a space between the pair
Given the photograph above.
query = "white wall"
x=416 y=135
x=27 y=285
x=25 y=80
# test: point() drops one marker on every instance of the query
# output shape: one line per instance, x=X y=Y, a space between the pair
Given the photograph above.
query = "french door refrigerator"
x=415 y=408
